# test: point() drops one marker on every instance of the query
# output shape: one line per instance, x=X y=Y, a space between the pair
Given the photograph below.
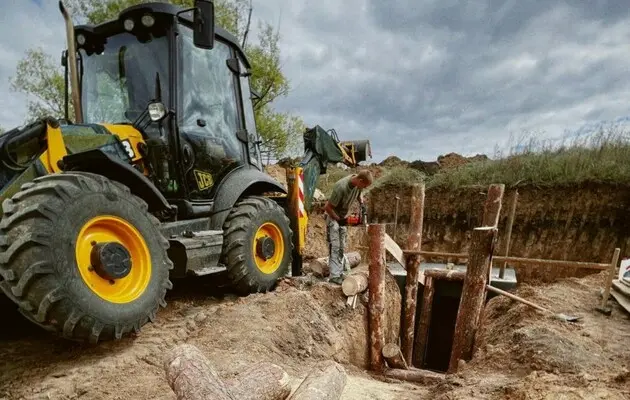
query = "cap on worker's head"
x=365 y=176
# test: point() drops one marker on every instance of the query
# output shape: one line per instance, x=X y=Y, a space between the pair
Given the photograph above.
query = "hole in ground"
x=442 y=325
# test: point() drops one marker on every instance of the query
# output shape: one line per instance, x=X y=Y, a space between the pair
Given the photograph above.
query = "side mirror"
x=204 y=24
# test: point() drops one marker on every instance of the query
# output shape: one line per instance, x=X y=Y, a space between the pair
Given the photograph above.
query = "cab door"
x=209 y=116
x=253 y=139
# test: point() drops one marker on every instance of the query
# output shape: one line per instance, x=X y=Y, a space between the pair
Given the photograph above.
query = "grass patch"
x=602 y=157
x=399 y=176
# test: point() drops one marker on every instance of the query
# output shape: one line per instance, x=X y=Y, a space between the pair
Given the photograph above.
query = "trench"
x=442 y=325
x=443 y=312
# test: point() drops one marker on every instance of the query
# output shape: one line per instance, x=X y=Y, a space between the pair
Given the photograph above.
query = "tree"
x=41 y=78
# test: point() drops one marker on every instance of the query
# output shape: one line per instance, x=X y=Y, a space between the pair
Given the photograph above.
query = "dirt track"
x=522 y=354
x=293 y=327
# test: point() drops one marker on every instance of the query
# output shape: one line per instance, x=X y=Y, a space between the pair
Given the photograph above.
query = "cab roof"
x=164 y=10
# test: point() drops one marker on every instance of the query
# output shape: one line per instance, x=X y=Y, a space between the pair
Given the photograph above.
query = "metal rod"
x=508 y=235
x=396 y=218
x=517 y=260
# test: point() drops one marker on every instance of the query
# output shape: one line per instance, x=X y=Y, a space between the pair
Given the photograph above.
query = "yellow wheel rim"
x=269 y=264
x=105 y=229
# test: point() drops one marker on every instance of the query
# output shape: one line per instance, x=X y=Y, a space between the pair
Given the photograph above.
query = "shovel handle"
x=520 y=299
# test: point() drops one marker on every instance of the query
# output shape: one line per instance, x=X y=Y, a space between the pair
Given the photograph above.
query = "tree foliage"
x=40 y=75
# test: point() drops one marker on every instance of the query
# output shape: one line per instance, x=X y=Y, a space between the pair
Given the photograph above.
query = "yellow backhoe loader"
x=159 y=176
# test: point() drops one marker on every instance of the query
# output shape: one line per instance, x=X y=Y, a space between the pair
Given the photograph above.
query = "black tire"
x=239 y=231
x=38 y=235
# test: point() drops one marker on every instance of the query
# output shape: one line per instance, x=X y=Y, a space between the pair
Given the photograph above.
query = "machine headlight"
x=148 y=20
x=129 y=24
x=81 y=39
x=157 y=111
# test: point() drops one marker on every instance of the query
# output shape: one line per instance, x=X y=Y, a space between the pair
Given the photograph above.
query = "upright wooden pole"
x=376 y=294
x=491 y=213
x=414 y=242
x=610 y=276
x=492 y=206
x=424 y=323
x=473 y=294
x=508 y=233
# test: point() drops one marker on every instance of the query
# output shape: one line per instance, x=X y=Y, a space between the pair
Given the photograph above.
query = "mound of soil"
x=302 y=322
x=278 y=173
x=524 y=354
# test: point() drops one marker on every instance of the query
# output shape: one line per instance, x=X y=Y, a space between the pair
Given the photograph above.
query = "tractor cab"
x=182 y=84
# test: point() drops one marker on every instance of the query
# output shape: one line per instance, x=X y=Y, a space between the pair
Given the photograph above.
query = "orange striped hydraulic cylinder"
x=297 y=216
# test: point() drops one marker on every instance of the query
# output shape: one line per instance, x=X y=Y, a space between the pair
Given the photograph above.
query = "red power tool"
x=361 y=219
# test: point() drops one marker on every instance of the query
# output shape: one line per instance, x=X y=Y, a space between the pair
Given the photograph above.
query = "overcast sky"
x=417 y=78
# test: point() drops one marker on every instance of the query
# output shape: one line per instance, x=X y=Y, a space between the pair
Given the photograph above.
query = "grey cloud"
x=420 y=79
x=464 y=73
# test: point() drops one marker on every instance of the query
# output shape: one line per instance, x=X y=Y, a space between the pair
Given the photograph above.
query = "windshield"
x=118 y=83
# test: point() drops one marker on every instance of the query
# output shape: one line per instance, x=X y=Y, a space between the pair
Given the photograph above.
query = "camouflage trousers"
x=336 y=236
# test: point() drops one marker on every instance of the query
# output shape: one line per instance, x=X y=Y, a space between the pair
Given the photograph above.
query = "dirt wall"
x=578 y=223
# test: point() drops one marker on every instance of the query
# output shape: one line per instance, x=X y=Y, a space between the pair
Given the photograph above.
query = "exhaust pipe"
x=72 y=59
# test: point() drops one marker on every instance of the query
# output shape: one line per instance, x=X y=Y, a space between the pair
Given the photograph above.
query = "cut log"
x=261 y=381
x=445 y=274
x=414 y=375
x=394 y=356
x=326 y=381
x=355 y=283
x=191 y=376
x=319 y=266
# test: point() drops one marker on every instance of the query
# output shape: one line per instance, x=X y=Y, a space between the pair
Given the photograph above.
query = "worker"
x=345 y=192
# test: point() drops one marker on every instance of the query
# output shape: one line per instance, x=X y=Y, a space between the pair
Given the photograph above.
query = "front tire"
x=48 y=236
x=257 y=246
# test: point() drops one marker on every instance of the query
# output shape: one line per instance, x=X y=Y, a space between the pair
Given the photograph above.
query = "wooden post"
x=610 y=276
x=424 y=322
x=414 y=242
x=491 y=213
x=473 y=294
x=492 y=206
x=508 y=231
x=376 y=294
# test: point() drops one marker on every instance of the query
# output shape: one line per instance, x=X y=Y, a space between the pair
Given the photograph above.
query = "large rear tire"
x=62 y=262
x=257 y=245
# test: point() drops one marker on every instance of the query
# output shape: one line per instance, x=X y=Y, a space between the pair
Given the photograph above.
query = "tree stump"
x=326 y=381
